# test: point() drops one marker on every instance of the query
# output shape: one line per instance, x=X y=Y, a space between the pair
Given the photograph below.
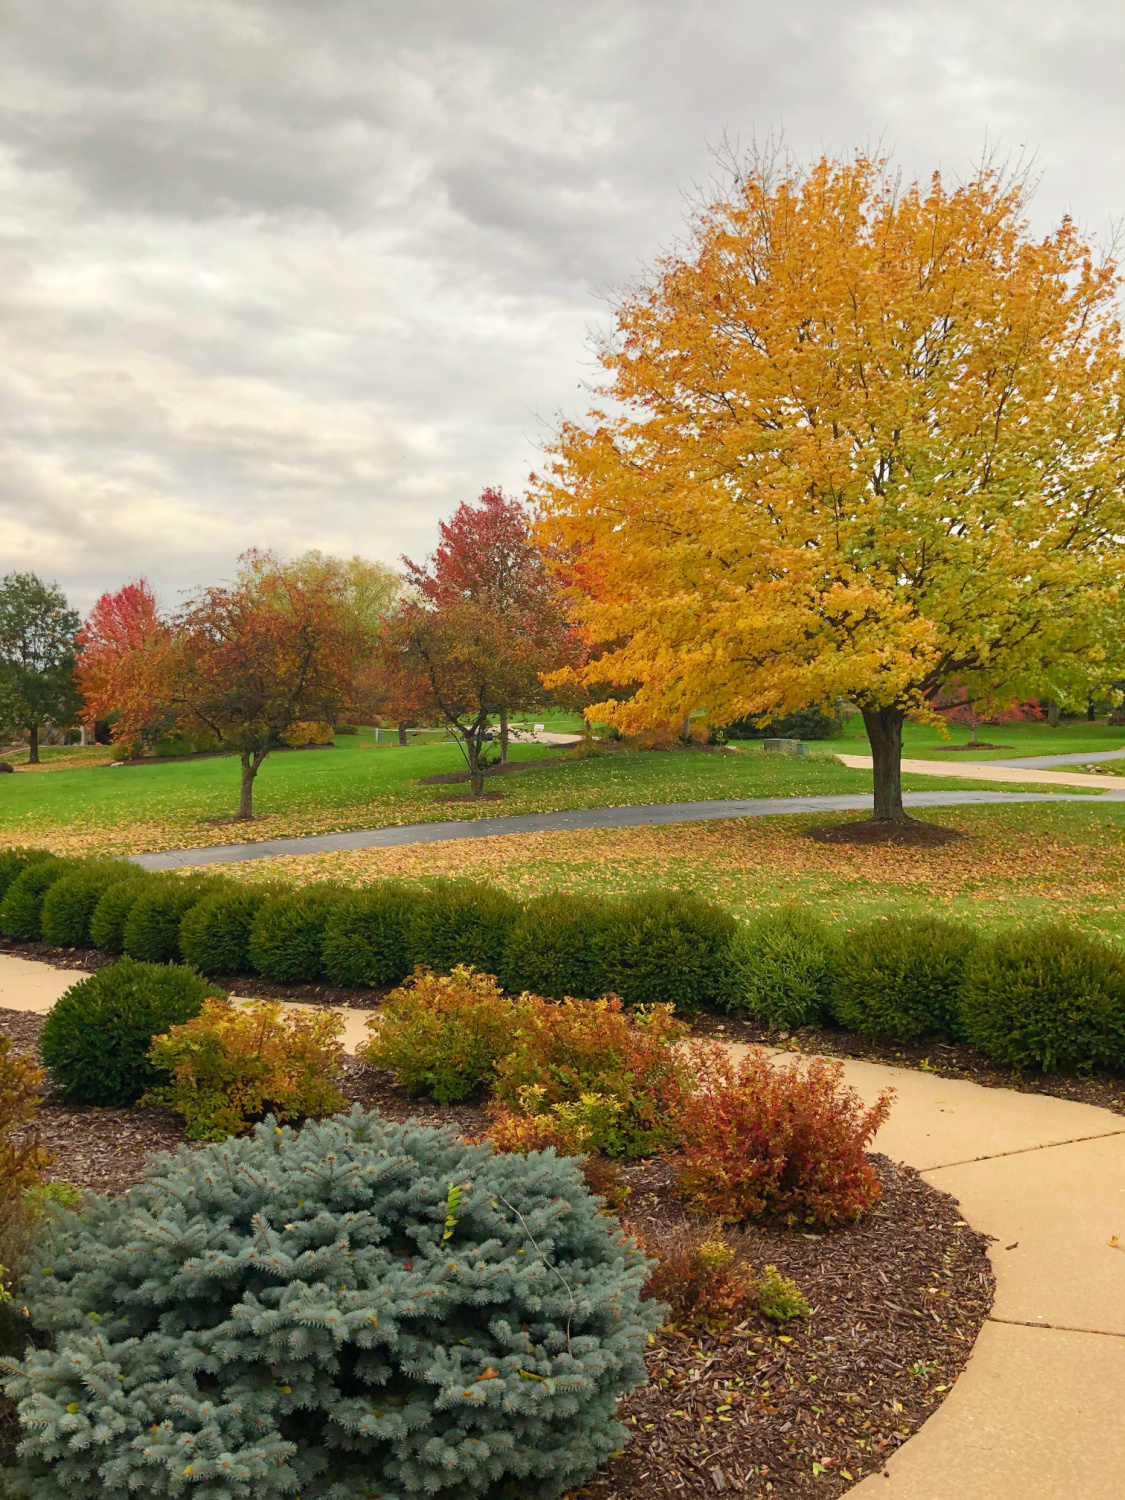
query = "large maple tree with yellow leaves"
x=867 y=439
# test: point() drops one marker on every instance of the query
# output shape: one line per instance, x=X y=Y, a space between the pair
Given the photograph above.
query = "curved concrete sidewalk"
x=995 y=770
x=1037 y=1413
x=586 y=817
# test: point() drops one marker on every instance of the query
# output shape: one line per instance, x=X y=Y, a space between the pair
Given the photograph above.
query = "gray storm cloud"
x=310 y=272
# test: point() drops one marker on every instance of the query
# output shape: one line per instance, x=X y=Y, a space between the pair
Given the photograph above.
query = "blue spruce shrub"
x=780 y=970
x=353 y=1309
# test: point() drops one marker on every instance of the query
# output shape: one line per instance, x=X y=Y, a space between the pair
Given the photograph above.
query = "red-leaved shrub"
x=785 y=1143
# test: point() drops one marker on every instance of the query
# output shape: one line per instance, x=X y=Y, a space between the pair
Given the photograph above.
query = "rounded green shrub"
x=21 y=911
x=458 y=923
x=662 y=947
x=899 y=978
x=434 y=1319
x=366 y=940
x=287 y=937
x=152 y=931
x=95 y=1037
x=1048 y=998
x=72 y=901
x=554 y=949
x=780 y=970
x=215 y=932
x=13 y=862
x=107 y=922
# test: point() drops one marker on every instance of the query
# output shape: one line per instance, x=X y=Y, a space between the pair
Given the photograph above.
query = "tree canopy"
x=38 y=648
x=868 y=441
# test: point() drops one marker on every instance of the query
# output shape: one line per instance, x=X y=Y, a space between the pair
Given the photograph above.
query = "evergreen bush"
x=96 y=1037
x=107 y=924
x=1048 y=998
x=664 y=948
x=71 y=902
x=287 y=938
x=459 y=924
x=152 y=932
x=13 y=862
x=366 y=941
x=215 y=932
x=780 y=970
x=21 y=911
x=554 y=948
x=899 y=978
x=426 y=1318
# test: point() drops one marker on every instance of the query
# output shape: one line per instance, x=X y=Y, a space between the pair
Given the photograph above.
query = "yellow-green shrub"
x=231 y=1065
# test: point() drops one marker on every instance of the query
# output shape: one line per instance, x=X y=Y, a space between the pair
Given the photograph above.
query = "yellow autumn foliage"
x=866 y=439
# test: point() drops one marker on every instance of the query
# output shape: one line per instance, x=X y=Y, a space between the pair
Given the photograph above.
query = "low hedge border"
x=1041 y=997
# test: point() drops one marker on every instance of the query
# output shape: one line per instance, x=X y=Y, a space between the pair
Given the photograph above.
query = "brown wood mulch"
x=758 y=1409
x=452 y=778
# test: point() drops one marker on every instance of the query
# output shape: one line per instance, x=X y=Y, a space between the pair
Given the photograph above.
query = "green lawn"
x=78 y=807
x=924 y=741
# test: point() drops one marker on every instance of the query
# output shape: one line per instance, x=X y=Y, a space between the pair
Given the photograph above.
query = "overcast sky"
x=300 y=273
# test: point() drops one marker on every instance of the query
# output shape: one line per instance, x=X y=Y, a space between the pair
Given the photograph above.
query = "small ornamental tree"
x=247 y=661
x=867 y=440
x=38 y=648
x=483 y=625
x=350 y=1310
x=957 y=707
x=123 y=659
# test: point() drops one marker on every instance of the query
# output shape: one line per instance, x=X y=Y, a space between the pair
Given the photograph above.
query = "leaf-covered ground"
x=1021 y=864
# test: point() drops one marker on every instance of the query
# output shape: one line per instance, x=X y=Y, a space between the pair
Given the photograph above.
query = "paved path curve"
x=584 y=817
x=1045 y=762
x=1037 y=1412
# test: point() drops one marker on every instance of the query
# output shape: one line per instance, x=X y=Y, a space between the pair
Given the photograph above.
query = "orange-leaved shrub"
x=784 y=1143
x=230 y=1065
x=443 y=1034
x=569 y=1133
x=706 y=1279
x=621 y=1071
x=23 y=1159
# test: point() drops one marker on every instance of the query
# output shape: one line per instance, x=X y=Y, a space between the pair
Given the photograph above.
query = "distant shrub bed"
x=1040 y=998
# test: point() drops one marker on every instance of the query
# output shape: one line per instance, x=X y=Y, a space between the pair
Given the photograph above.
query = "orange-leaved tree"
x=868 y=441
x=247 y=661
x=122 y=655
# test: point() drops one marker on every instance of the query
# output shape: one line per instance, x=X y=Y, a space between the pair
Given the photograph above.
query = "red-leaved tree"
x=483 y=624
x=957 y=707
x=122 y=652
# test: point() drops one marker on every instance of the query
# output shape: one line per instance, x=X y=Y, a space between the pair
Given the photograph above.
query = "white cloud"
x=309 y=272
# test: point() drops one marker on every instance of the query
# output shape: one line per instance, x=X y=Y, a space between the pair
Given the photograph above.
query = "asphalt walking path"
x=1037 y=1412
x=588 y=817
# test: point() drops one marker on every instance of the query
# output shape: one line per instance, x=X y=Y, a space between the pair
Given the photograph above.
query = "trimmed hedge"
x=215 y=932
x=664 y=948
x=555 y=948
x=71 y=902
x=899 y=978
x=107 y=924
x=288 y=934
x=1048 y=998
x=152 y=931
x=780 y=970
x=456 y=922
x=367 y=936
x=21 y=910
x=13 y=862
x=95 y=1037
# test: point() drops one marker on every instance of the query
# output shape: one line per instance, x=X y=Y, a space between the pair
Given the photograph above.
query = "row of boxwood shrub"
x=1044 y=996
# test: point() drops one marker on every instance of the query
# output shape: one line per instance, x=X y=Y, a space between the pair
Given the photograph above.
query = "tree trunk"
x=884 y=732
x=1054 y=712
x=33 y=746
x=685 y=728
x=402 y=734
x=1090 y=713
x=973 y=738
x=476 y=770
x=503 y=736
x=250 y=768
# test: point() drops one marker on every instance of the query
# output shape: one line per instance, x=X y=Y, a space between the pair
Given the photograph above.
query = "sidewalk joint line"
x=1104 y=1333
x=1077 y=1140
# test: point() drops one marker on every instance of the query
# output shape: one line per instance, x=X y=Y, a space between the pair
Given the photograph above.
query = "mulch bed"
x=452 y=778
x=472 y=797
x=946 y=749
x=897 y=1302
x=909 y=833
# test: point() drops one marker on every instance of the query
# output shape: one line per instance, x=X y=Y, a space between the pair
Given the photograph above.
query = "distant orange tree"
x=246 y=661
x=867 y=441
